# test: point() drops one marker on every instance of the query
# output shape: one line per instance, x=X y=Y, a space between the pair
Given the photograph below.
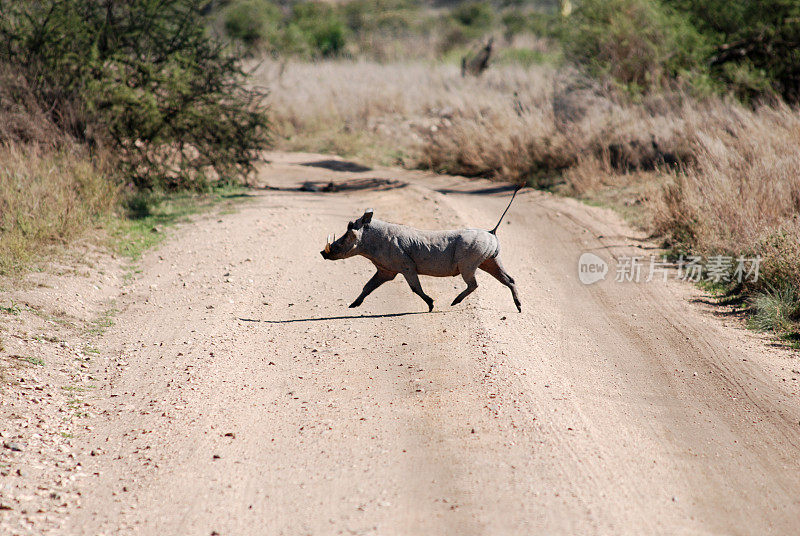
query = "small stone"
x=13 y=446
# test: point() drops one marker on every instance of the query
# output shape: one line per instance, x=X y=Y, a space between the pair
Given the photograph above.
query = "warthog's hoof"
x=355 y=304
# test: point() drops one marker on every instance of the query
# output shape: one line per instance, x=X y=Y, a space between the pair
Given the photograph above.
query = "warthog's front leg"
x=380 y=277
x=413 y=282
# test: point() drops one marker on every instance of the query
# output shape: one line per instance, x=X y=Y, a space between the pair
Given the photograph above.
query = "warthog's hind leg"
x=494 y=267
x=377 y=280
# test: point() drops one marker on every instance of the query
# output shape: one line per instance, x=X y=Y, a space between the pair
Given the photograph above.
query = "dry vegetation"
x=51 y=191
x=710 y=177
x=514 y=123
x=742 y=195
x=47 y=197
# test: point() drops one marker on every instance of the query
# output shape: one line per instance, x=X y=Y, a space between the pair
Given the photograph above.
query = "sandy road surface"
x=246 y=397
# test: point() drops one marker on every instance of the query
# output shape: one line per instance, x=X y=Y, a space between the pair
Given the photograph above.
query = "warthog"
x=399 y=249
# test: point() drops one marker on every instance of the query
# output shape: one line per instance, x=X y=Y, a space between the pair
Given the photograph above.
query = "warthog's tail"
x=494 y=231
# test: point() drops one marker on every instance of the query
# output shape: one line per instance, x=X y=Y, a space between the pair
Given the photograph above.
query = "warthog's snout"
x=326 y=252
x=398 y=249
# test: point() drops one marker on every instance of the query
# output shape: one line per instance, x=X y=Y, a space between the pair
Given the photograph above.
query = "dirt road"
x=244 y=397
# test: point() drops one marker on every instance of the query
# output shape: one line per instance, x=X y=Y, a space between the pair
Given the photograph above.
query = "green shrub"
x=719 y=18
x=252 y=22
x=143 y=78
x=328 y=38
x=638 y=43
x=474 y=14
x=324 y=30
x=777 y=309
x=746 y=81
x=768 y=55
x=757 y=44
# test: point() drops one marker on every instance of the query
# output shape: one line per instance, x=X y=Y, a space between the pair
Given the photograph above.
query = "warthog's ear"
x=367 y=217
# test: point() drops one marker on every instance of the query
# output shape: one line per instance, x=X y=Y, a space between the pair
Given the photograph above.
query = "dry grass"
x=709 y=176
x=514 y=123
x=745 y=180
x=373 y=111
x=47 y=197
x=22 y=119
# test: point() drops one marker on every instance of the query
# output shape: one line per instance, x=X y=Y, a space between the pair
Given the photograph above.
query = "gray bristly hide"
x=399 y=249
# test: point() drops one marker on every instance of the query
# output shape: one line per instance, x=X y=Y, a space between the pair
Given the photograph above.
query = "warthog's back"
x=435 y=253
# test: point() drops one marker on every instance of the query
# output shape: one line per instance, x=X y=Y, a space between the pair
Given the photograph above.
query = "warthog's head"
x=347 y=245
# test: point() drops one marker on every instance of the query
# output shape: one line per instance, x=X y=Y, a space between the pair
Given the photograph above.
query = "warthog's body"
x=399 y=249
x=436 y=253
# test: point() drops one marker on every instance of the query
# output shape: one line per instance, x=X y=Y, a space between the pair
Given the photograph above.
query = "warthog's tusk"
x=328 y=244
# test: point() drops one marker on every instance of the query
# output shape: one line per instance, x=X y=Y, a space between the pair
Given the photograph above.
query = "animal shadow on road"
x=480 y=191
x=338 y=165
x=342 y=317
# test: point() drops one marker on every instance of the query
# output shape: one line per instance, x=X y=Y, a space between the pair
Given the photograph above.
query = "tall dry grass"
x=374 y=111
x=742 y=195
x=513 y=123
x=47 y=197
x=720 y=178
x=745 y=180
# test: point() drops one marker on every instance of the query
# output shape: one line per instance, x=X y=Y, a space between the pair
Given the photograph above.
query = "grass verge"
x=146 y=216
x=50 y=198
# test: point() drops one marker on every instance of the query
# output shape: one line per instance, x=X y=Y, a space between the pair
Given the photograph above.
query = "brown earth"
x=237 y=394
